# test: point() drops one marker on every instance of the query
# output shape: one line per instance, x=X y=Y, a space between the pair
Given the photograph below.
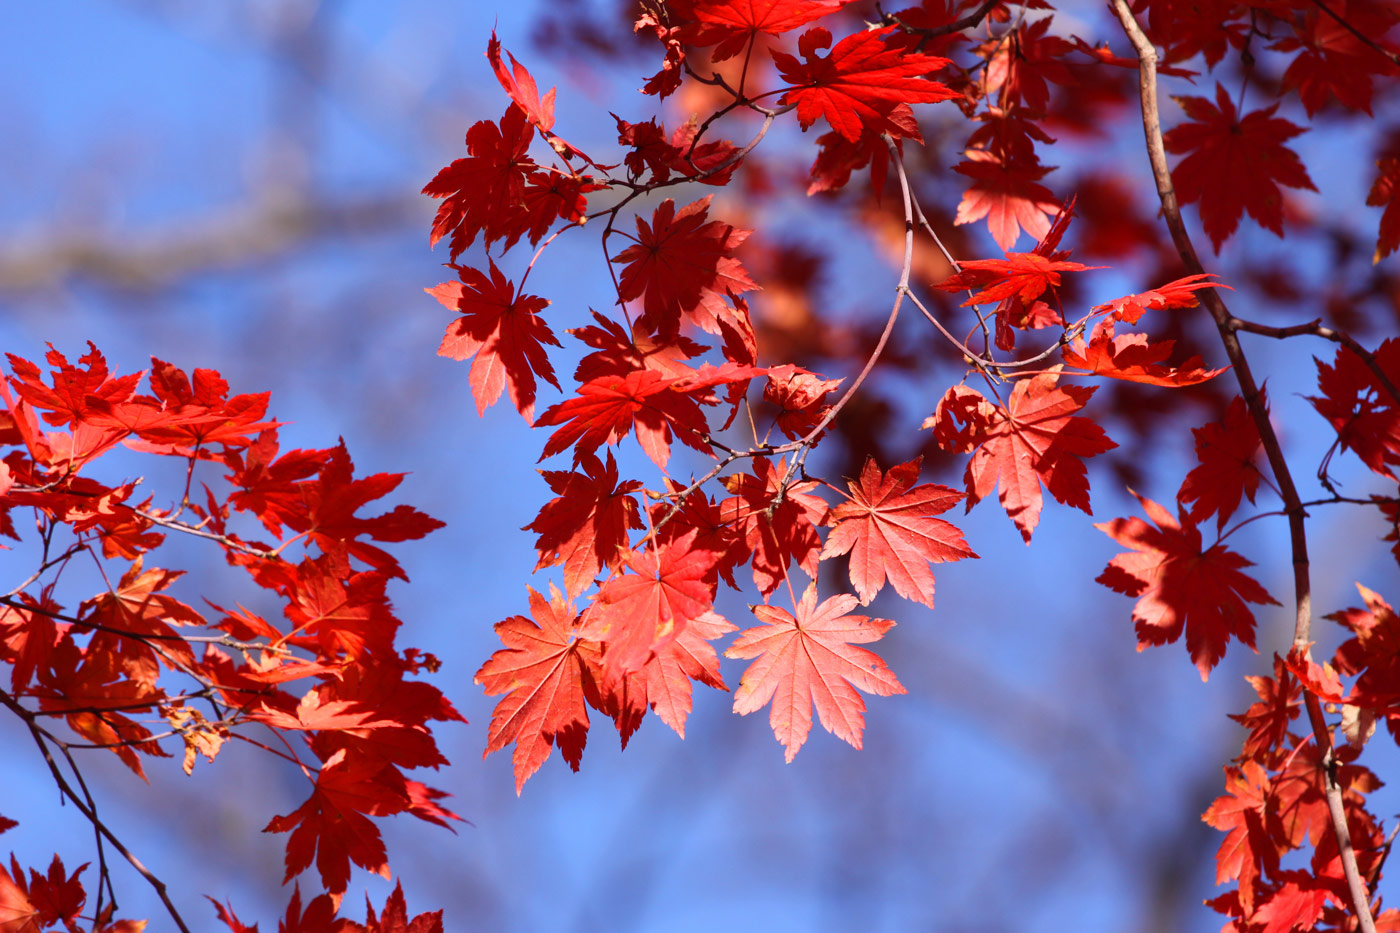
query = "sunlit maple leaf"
x=1026 y=276
x=585 y=526
x=619 y=353
x=811 y=659
x=1035 y=440
x=606 y=409
x=394 y=919
x=543 y=675
x=1132 y=358
x=860 y=83
x=730 y=24
x=1226 y=471
x=1234 y=164
x=1372 y=654
x=800 y=396
x=1008 y=194
x=641 y=611
x=1254 y=834
x=503 y=330
x=198 y=412
x=711 y=162
x=666 y=678
x=889 y=529
x=1364 y=414
x=333 y=823
x=1181 y=586
x=1280 y=701
x=682 y=266
x=485 y=191
x=331 y=501
x=1296 y=905
x=1176 y=294
x=779 y=525
x=520 y=85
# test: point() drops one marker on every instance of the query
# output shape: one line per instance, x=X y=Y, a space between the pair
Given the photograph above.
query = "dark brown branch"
x=1317 y=329
x=1210 y=298
x=90 y=813
x=947 y=29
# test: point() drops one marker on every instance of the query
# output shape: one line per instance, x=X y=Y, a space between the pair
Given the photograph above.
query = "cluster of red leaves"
x=1275 y=800
x=328 y=679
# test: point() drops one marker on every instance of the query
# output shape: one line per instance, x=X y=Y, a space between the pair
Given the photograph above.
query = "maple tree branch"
x=39 y=734
x=1317 y=329
x=1210 y=298
x=970 y=21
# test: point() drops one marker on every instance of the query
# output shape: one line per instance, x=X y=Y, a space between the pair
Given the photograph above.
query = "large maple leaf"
x=585 y=526
x=889 y=528
x=639 y=612
x=730 y=24
x=1226 y=472
x=683 y=264
x=688 y=657
x=333 y=823
x=1234 y=164
x=1036 y=439
x=1364 y=414
x=1006 y=191
x=484 y=192
x=609 y=407
x=1249 y=817
x=812 y=658
x=860 y=84
x=1181 y=586
x=1132 y=358
x=779 y=524
x=541 y=670
x=503 y=330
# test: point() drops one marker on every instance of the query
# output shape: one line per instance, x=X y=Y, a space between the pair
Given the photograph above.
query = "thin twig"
x=1318 y=329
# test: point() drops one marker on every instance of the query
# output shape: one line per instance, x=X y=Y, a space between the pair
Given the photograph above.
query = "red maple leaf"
x=1175 y=294
x=1025 y=276
x=520 y=85
x=779 y=525
x=1267 y=720
x=1385 y=192
x=606 y=409
x=1254 y=834
x=653 y=151
x=810 y=659
x=800 y=396
x=541 y=670
x=1373 y=653
x=637 y=613
x=1006 y=191
x=1234 y=164
x=1364 y=414
x=394 y=919
x=860 y=83
x=666 y=678
x=619 y=353
x=889 y=528
x=1226 y=472
x=333 y=823
x=1132 y=358
x=683 y=265
x=1035 y=440
x=504 y=331
x=585 y=526
x=730 y=24
x=485 y=192
x=1181 y=586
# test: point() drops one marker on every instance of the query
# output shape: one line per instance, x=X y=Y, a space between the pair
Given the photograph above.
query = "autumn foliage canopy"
x=1024 y=389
